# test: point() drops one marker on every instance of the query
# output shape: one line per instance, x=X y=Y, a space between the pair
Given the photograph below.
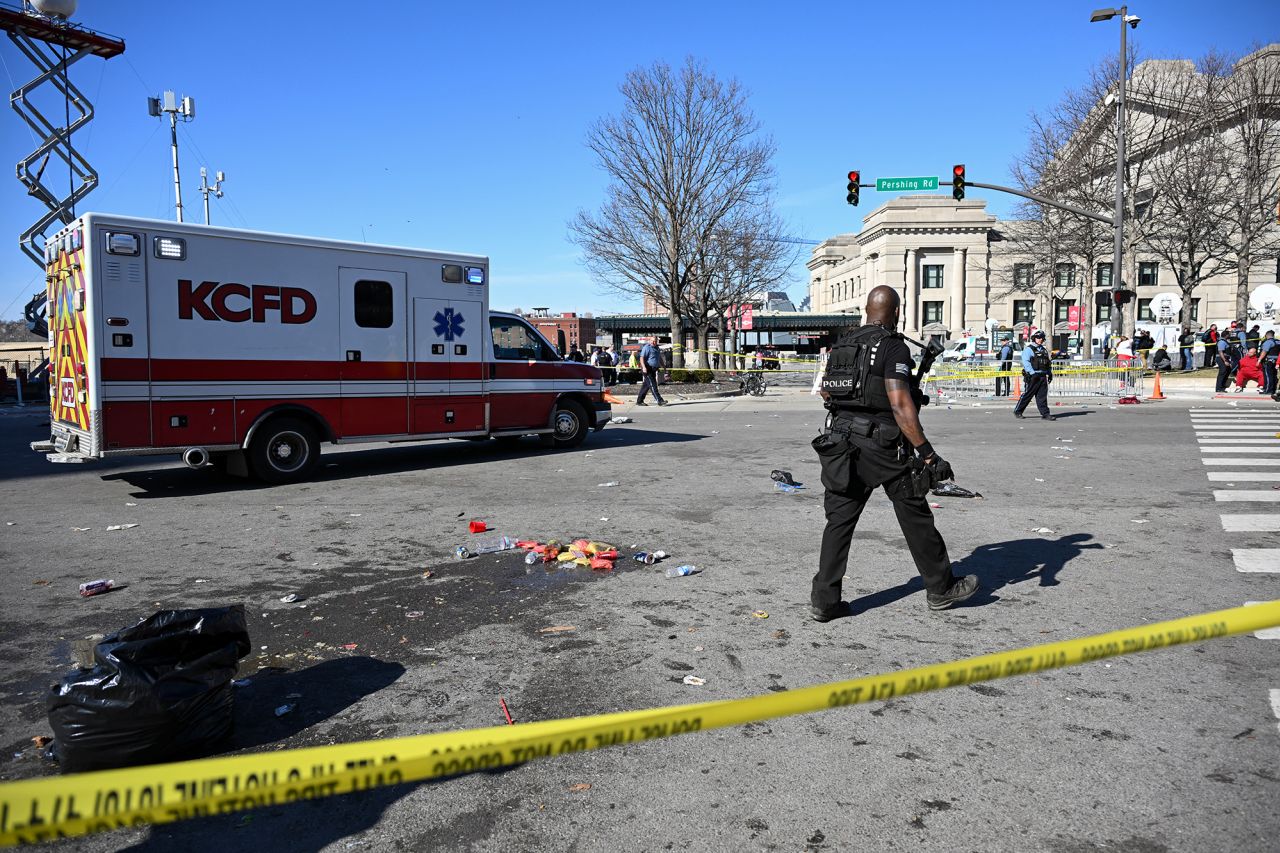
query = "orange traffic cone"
x=610 y=398
x=1157 y=394
x=1017 y=385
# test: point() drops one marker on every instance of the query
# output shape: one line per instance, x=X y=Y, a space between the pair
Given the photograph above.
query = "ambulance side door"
x=374 y=348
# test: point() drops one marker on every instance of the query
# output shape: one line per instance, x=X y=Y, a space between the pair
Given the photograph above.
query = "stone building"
x=962 y=271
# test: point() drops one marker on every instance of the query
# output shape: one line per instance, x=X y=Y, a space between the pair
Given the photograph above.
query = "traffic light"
x=1123 y=297
x=852 y=197
x=957 y=182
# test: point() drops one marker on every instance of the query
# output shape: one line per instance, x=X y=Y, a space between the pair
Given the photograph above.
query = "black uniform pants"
x=874 y=465
x=1224 y=376
x=1037 y=387
x=1003 y=387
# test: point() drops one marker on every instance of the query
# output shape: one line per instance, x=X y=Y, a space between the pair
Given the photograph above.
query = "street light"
x=1131 y=20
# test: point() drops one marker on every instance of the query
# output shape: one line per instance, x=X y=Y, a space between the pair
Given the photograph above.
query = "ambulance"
x=246 y=350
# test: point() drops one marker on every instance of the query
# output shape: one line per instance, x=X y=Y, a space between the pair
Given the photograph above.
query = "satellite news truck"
x=247 y=350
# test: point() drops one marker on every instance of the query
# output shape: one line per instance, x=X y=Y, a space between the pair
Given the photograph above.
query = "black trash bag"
x=781 y=477
x=159 y=691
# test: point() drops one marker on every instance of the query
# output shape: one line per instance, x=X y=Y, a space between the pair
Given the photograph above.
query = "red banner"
x=1073 y=317
x=745 y=316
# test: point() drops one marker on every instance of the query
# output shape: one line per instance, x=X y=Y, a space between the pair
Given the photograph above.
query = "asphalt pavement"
x=1168 y=750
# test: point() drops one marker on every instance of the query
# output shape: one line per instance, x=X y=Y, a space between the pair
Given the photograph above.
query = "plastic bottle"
x=786 y=489
x=682 y=571
x=97 y=587
x=492 y=545
x=532 y=557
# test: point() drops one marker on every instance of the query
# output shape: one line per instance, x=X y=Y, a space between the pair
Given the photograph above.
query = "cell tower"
x=42 y=32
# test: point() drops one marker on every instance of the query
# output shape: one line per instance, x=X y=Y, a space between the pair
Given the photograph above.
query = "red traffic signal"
x=957 y=182
x=852 y=197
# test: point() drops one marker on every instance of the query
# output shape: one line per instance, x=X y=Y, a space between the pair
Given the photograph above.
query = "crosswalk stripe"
x=1230 y=433
x=1236 y=448
x=1235 y=439
x=1242 y=460
x=1256 y=559
x=1247 y=496
x=1245 y=523
x=1237 y=416
x=1233 y=412
x=1275 y=705
x=1260 y=476
x=1264 y=633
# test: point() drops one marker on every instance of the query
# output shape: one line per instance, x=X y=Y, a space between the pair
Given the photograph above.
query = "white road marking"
x=1256 y=559
x=1243 y=523
x=1240 y=461
x=1235 y=439
x=1236 y=448
x=1228 y=476
x=1275 y=704
x=1247 y=495
x=1264 y=633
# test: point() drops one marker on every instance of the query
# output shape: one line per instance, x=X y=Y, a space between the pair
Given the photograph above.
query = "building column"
x=912 y=297
x=958 y=292
x=617 y=341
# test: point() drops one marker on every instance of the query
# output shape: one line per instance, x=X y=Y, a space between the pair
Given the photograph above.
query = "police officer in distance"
x=1037 y=372
x=874 y=438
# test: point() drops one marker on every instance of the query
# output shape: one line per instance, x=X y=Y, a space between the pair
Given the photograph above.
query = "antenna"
x=205 y=189
x=169 y=103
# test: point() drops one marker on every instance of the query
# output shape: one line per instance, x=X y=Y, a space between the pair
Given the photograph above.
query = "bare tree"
x=1187 y=221
x=683 y=157
x=1253 y=163
x=746 y=255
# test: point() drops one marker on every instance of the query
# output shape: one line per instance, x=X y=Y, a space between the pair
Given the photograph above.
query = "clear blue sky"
x=461 y=125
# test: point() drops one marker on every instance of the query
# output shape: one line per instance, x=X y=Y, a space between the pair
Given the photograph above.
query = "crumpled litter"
x=1139 y=520
x=694 y=680
x=120 y=526
x=620 y=419
x=779 y=476
x=608 y=485
x=285 y=709
x=290 y=598
x=1041 y=530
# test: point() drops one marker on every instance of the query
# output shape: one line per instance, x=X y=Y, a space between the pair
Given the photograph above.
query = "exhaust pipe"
x=195 y=457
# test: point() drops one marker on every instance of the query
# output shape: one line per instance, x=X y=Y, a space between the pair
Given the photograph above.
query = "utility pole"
x=205 y=189
x=169 y=103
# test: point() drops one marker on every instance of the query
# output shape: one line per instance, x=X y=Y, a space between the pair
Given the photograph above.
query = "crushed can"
x=96 y=587
x=461 y=552
x=644 y=557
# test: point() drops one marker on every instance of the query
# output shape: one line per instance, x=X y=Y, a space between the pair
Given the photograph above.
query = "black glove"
x=941 y=468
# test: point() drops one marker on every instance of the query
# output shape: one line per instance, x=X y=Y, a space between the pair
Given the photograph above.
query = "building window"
x=1064 y=276
x=1144 y=310
x=1104 y=276
x=933 y=275
x=1024 y=310
x=1104 y=313
x=933 y=312
x=1022 y=274
x=373 y=304
x=1061 y=310
x=1195 y=310
x=1148 y=274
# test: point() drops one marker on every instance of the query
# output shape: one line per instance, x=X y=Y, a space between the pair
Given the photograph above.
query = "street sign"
x=894 y=185
x=1073 y=317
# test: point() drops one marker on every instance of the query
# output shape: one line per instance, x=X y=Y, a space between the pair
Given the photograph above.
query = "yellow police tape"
x=79 y=804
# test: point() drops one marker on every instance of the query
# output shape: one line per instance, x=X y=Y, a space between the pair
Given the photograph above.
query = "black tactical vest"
x=1039 y=358
x=848 y=380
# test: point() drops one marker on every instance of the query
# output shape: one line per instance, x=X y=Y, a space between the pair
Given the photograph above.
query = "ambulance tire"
x=569 y=426
x=283 y=450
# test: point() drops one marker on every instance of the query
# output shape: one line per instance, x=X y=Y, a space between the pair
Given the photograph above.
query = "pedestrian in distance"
x=1124 y=351
x=1249 y=369
x=650 y=363
x=1160 y=360
x=1269 y=351
x=1210 y=340
x=1187 y=349
x=1006 y=367
x=873 y=439
x=1037 y=373
x=1225 y=366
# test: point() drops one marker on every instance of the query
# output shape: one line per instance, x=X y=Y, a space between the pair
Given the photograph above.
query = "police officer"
x=1037 y=372
x=874 y=438
x=1003 y=384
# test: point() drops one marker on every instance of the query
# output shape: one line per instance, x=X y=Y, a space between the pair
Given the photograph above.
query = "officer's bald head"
x=882 y=306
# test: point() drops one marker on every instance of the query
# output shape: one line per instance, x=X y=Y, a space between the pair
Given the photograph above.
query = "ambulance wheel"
x=569 y=426
x=283 y=450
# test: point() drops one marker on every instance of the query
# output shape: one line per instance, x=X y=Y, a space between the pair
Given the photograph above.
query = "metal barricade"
x=976 y=379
